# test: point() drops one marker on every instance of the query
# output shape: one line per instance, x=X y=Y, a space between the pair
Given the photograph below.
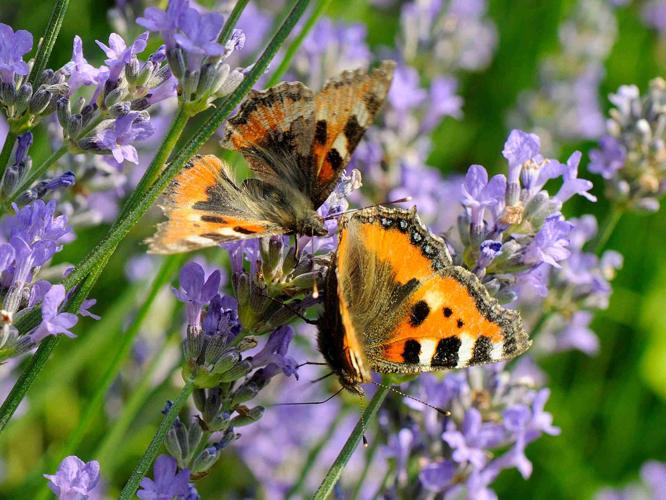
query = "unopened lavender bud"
x=205 y=460
x=226 y=361
x=145 y=74
x=172 y=441
x=219 y=422
x=176 y=60
x=132 y=69
x=115 y=96
x=230 y=83
x=248 y=416
x=244 y=393
x=239 y=370
x=23 y=98
x=538 y=208
x=63 y=111
x=247 y=343
x=190 y=84
x=120 y=109
x=40 y=101
x=649 y=205
x=74 y=125
x=199 y=397
x=7 y=93
x=194 y=435
x=212 y=405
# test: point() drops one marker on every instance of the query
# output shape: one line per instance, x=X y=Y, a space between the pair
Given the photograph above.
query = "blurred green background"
x=611 y=407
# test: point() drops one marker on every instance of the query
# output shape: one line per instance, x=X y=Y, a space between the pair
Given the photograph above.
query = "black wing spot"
x=420 y=312
x=460 y=323
x=482 y=348
x=213 y=218
x=447 y=312
x=412 y=351
x=353 y=132
x=334 y=159
x=242 y=230
x=321 y=132
x=446 y=354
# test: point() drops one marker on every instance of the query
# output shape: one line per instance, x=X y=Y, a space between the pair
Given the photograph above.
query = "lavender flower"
x=118 y=136
x=168 y=482
x=119 y=53
x=631 y=154
x=54 y=322
x=80 y=72
x=194 y=52
x=13 y=46
x=75 y=479
x=196 y=291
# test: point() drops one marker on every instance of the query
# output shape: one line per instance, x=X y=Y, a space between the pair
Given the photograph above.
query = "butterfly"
x=296 y=142
x=395 y=303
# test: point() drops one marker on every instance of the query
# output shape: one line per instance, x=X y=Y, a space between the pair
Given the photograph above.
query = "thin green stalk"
x=333 y=475
x=92 y=265
x=106 y=451
x=369 y=457
x=95 y=403
x=6 y=152
x=291 y=51
x=48 y=40
x=156 y=443
x=231 y=20
x=613 y=216
x=155 y=168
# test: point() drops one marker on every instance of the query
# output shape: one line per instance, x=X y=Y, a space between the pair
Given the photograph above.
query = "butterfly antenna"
x=352 y=210
x=315 y=287
x=292 y=310
x=323 y=377
x=318 y=363
x=393 y=388
x=311 y=402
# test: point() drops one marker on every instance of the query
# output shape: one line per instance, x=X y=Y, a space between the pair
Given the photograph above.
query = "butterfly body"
x=395 y=303
x=296 y=142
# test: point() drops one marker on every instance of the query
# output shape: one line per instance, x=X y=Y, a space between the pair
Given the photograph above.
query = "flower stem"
x=92 y=265
x=164 y=274
x=155 y=168
x=48 y=41
x=333 y=475
x=156 y=443
x=607 y=227
x=298 y=41
x=231 y=21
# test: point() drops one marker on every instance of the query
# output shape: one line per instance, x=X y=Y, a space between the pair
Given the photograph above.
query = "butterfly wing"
x=302 y=142
x=204 y=207
x=407 y=308
x=344 y=109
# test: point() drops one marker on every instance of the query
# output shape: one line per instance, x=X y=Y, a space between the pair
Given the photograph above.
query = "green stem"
x=369 y=456
x=92 y=265
x=231 y=20
x=607 y=227
x=48 y=41
x=155 y=168
x=291 y=51
x=95 y=403
x=106 y=452
x=6 y=152
x=153 y=448
x=333 y=475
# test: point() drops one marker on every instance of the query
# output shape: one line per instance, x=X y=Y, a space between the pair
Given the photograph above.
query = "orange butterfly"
x=395 y=303
x=296 y=142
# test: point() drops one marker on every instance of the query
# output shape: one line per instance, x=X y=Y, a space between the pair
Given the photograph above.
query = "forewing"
x=205 y=207
x=344 y=109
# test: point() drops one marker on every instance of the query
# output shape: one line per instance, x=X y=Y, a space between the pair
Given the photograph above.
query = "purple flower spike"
x=572 y=185
x=437 y=475
x=54 y=322
x=120 y=136
x=13 y=46
x=610 y=158
x=469 y=446
x=578 y=335
x=405 y=92
x=196 y=291
x=168 y=483
x=119 y=54
x=198 y=36
x=75 y=479
x=480 y=194
x=550 y=245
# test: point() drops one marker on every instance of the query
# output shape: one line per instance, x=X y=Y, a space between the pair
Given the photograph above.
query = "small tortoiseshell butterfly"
x=395 y=303
x=296 y=142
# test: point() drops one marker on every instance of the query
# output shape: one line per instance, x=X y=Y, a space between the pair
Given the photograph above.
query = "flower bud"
x=176 y=60
x=63 y=111
x=190 y=84
x=23 y=98
x=173 y=441
x=194 y=436
x=239 y=370
x=40 y=101
x=7 y=93
x=115 y=96
x=244 y=393
x=247 y=416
